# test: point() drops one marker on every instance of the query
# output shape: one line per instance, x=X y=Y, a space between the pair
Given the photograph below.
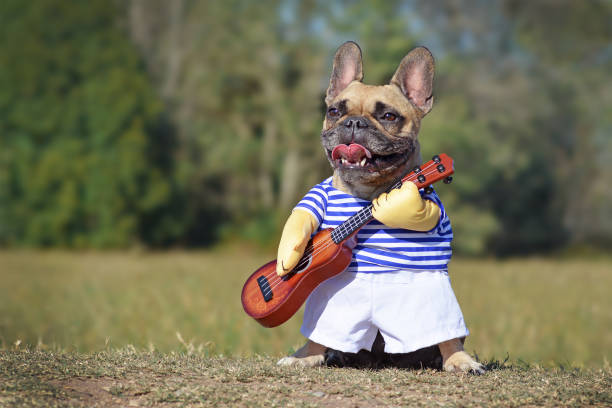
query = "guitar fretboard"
x=344 y=230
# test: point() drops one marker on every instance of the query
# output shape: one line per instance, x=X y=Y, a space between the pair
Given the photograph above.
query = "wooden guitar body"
x=272 y=300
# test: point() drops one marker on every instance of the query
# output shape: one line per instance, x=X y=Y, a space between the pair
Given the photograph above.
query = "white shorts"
x=412 y=310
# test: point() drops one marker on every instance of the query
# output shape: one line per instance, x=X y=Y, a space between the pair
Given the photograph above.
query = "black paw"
x=335 y=358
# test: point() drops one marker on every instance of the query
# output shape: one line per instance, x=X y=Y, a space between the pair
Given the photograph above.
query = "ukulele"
x=272 y=300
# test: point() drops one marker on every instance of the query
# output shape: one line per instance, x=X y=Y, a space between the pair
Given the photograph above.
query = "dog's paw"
x=461 y=362
x=310 y=361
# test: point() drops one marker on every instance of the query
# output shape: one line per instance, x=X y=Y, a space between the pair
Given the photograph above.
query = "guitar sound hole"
x=302 y=265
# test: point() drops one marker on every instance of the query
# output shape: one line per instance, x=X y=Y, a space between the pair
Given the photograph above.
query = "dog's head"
x=370 y=132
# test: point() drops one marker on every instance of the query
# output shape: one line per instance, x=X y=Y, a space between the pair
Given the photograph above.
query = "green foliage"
x=86 y=152
x=572 y=66
x=187 y=122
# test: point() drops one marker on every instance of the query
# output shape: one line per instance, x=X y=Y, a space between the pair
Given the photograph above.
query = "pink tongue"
x=353 y=152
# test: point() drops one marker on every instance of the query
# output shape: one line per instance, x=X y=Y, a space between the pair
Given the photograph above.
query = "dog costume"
x=397 y=282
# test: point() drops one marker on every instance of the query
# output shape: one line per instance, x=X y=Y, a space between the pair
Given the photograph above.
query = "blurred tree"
x=86 y=154
x=246 y=96
x=571 y=53
x=532 y=73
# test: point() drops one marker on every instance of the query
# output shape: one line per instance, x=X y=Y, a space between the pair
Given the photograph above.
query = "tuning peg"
x=436 y=159
x=421 y=178
x=429 y=190
x=448 y=180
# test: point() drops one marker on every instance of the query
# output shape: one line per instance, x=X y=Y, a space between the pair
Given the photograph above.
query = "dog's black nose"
x=355 y=122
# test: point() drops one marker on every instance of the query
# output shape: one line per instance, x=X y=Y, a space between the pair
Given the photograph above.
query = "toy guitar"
x=272 y=300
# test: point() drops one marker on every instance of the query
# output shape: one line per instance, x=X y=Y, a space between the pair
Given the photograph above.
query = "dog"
x=370 y=137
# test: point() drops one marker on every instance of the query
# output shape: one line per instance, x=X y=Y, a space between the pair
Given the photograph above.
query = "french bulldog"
x=370 y=137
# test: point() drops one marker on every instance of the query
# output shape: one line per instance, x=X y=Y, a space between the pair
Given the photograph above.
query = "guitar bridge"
x=265 y=288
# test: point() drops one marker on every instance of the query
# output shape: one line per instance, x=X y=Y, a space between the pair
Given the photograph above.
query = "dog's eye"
x=333 y=112
x=389 y=116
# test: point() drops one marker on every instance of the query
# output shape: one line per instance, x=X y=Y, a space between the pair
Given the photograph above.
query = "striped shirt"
x=381 y=248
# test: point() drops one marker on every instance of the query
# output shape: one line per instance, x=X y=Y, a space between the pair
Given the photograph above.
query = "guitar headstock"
x=440 y=167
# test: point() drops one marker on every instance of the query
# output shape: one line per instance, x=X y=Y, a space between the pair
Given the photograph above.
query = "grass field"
x=542 y=311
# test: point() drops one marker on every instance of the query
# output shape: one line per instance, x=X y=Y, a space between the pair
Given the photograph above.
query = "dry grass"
x=547 y=312
x=129 y=378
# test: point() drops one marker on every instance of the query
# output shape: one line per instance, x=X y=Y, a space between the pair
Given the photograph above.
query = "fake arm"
x=404 y=208
x=296 y=234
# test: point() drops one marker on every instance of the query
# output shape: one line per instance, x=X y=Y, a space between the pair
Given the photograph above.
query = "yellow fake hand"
x=296 y=234
x=404 y=208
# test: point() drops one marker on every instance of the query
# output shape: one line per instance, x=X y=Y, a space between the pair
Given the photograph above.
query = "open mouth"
x=355 y=156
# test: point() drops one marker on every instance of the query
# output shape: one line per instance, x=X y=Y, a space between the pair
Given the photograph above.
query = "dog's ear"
x=347 y=68
x=414 y=77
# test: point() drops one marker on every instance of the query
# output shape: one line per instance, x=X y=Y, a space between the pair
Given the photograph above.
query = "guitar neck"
x=439 y=168
x=352 y=224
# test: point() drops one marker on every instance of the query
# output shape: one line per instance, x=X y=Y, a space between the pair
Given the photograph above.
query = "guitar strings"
x=274 y=280
x=351 y=221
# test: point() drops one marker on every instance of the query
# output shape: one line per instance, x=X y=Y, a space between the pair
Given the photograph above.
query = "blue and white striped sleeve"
x=444 y=222
x=315 y=202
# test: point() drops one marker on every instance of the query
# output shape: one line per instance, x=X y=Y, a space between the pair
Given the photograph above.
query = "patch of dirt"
x=103 y=392
x=112 y=392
